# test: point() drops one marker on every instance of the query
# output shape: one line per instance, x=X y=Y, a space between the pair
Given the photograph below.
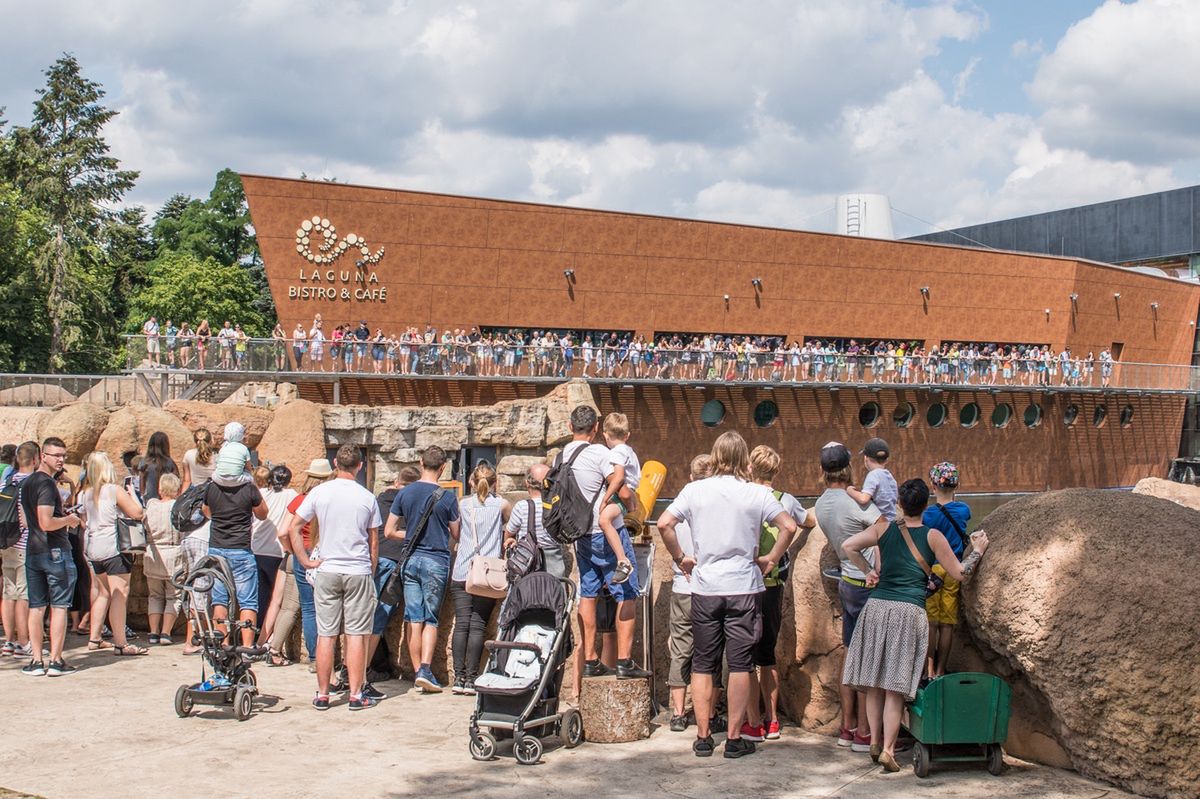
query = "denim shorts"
x=383 y=613
x=424 y=586
x=597 y=561
x=245 y=578
x=50 y=577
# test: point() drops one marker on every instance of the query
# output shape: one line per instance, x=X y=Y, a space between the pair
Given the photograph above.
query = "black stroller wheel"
x=572 y=728
x=183 y=702
x=528 y=750
x=483 y=746
x=243 y=703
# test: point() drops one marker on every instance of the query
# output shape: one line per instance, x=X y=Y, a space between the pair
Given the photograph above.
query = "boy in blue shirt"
x=950 y=517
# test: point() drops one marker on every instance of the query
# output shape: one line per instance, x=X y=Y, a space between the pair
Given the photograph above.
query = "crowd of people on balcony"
x=526 y=352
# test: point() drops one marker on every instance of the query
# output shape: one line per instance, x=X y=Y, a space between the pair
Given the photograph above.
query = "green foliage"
x=61 y=165
x=184 y=287
x=76 y=267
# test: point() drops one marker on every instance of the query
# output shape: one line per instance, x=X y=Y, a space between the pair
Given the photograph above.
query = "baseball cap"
x=876 y=448
x=834 y=456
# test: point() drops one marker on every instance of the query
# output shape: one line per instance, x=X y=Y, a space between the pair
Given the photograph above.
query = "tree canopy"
x=78 y=266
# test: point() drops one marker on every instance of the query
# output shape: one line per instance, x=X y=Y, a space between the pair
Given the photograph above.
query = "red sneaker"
x=756 y=733
x=861 y=743
x=845 y=737
x=773 y=730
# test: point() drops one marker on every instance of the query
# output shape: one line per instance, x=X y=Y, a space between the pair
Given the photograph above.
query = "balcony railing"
x=553 y=362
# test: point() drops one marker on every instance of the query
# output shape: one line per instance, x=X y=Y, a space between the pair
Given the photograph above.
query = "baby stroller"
x=232 y=681
x=518 y=696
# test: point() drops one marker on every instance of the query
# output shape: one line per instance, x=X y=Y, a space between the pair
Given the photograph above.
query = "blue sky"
x=759 y=113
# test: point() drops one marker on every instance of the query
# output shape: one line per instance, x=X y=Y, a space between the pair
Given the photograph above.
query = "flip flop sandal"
x=95 y=646
x=130 y=650
x=277 y=659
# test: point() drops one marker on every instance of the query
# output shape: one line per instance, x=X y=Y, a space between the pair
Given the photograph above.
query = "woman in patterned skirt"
x=887 y=653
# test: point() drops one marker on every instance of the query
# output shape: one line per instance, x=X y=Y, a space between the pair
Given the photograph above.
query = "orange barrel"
x=653 y=476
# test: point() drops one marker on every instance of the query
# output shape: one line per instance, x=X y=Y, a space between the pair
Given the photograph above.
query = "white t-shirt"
x=726 y=517
x=518 y=522
x=200 y=471
x=680 y=584
x=591 y=469
x=633 y=467
x=884 y=492
x=346 y=512
x=264 y=533
x=101 y=517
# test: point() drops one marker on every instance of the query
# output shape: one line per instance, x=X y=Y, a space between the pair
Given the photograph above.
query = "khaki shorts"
x=15 y=587
x=344 y=600
x=680 y=641
x=942 y=607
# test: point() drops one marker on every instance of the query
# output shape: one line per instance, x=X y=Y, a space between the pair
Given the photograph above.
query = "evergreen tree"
x=60 y=163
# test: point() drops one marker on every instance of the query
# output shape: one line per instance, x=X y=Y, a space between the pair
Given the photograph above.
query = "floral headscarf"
x=944 y=475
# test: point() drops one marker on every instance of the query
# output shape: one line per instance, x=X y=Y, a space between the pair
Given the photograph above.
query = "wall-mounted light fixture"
x=1074 y=298
x=726 y=300
x=1116 y=295
x=569 y=274
x=925 y=292
x=1154 y=306
x=757 y=283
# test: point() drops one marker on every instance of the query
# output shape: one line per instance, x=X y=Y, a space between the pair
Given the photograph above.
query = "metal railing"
x=553 y=361
x=46 y=391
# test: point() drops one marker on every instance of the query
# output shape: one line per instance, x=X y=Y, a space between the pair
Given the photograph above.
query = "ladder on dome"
x=853 y=216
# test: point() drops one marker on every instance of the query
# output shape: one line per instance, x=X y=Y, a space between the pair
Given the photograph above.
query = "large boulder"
x=196 y=415
x=1180 y=493
x=79 y=425
x=18 y=425
x=40 y=395
x=295 y=437
x=1073 y=604
x=130 y=427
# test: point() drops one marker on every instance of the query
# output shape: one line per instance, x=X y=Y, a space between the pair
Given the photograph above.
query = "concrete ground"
x=111 y=730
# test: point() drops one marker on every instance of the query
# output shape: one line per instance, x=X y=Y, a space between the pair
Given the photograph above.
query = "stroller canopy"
x=537 y=591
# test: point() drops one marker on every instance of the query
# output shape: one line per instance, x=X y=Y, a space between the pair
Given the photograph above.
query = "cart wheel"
x=183 y=702
x=528 y=750
x=483 y=746
x=921 y=759
x=572 y=728
x=243 y=703
x=995 y=759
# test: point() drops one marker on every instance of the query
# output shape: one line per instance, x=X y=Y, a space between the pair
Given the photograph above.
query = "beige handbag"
x=486 y=577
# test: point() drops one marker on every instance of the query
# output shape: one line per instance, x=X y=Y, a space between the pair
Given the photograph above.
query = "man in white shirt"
x=725 y=513
x=150 y=330
x=343 y=589
x=596 y=475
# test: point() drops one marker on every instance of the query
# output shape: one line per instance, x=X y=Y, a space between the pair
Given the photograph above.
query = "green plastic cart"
x=960 y=717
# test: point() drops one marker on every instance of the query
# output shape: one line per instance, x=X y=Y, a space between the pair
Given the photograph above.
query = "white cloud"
x=1122 y=82
x=758 y=113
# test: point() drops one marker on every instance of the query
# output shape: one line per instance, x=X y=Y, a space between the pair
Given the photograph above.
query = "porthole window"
x=1099 y=416
x=903 y=415
x=968 y=415
x=1070 y=415
x=1127 y=416
x=1001 y=415
x=713 y=413
x=765 y=413
x=868 y=414
x=1033 y=415
x=936 y=415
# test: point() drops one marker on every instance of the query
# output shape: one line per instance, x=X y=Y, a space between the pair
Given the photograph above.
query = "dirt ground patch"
x=111 y=730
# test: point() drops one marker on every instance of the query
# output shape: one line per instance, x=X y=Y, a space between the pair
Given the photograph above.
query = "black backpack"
x=188 y=513
x=10 y=525
x=566 y=512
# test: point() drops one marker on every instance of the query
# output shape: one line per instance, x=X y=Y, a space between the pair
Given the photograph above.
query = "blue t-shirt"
x=410 y=504
x=938 y=517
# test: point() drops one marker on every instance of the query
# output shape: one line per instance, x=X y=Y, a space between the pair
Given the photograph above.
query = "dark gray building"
x=1161 y=230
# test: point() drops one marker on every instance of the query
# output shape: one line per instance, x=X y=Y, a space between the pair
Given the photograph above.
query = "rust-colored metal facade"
x=462 y=262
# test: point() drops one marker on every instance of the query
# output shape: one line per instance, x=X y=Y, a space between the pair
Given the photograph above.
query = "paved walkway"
x=110 y=730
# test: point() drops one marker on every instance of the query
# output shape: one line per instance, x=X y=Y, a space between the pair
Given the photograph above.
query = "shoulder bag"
x=486 y=576
x=392 y=592
x=525 y=555
x=933 y=583
x=962 y=536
